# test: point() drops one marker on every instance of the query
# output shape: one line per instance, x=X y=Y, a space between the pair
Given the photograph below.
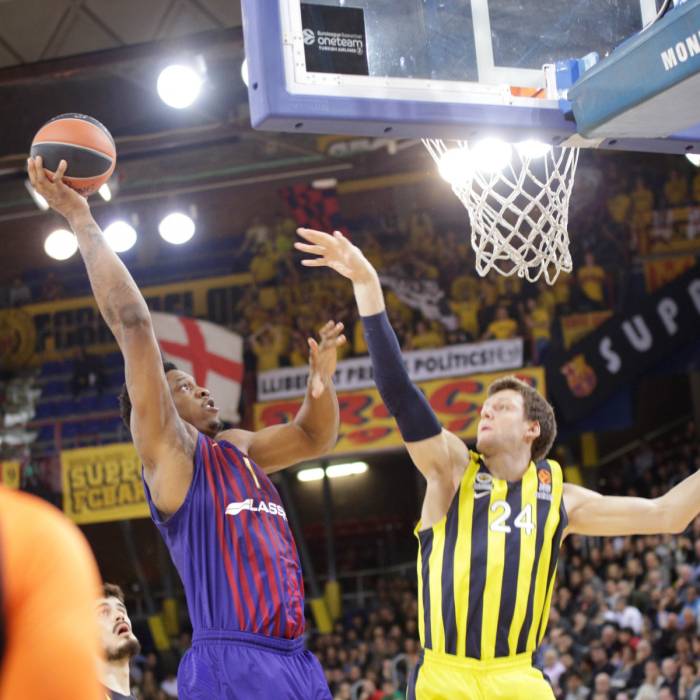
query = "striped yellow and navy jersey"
x=486 y=570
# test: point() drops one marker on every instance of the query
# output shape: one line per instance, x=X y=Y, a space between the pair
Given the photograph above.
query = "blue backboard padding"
x=635 y=73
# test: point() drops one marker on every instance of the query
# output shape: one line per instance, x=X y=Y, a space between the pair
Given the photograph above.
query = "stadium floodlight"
x=120 y=236
x=176 y=228
x=61 y=244
x=313 y=474
x=179 y=85
x=347 y=469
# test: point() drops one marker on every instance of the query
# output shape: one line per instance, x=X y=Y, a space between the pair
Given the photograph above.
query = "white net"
x=518 y=203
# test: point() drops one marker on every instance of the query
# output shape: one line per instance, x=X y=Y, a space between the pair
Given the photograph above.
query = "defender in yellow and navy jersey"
x=486 y=572
x=492 y=520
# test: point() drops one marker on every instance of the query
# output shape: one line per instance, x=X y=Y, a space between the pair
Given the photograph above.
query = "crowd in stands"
x=624 y=625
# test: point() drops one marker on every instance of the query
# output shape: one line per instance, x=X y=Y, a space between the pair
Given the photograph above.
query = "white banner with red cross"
x=212 y=354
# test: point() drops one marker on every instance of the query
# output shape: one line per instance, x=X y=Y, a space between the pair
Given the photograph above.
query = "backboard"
x=455 y=69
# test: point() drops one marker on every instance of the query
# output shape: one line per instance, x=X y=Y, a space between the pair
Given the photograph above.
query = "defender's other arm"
x=590 y=513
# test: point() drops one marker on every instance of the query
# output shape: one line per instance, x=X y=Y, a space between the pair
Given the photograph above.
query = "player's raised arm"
x=314 y=430
x=431 y=449
x=161 y=438
x=590 y=513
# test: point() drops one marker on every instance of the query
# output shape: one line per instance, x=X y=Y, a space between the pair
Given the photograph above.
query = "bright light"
x=179 y=86
x=332 y=472
x=348 y=469
x=244 y=71
x=120 y=236
x=176 y=228
x=326 y=183
x=532 y=148
x=38 y=199
x=456 y=165
x=315 y=474
x=694 y=158
x=61 y=244
x=491 y=155
x=105 y=192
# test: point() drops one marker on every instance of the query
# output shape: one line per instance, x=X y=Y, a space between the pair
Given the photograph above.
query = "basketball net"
x=518 y=203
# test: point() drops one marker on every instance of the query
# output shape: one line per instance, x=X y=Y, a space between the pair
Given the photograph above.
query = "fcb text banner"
x=366 y=426
x=54 y=330
x=101 y=484
x=422 y=365
x=625 y=345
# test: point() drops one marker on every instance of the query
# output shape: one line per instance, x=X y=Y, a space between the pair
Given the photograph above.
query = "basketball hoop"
x=518 y=203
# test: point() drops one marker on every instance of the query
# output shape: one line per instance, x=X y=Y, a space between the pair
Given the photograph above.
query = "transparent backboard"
x=454 y=69
x=491 y=42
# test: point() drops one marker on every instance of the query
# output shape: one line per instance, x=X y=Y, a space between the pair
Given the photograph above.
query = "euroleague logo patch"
x=309 y=37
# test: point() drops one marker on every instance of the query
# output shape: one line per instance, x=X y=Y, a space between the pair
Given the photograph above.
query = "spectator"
x=591 y=280
x=20 y=293
x=676 y=189
x=502 y=327
x=88 y=373
x=427 y=336
x=52 y=288
x=653 y=680
x=538 y=322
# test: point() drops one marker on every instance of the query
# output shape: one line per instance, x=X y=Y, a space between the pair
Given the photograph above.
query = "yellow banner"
x=9 y=474
x=577 y=326
x=657 y=273
x=366 y=426
x=54 y=330
x=102 y=484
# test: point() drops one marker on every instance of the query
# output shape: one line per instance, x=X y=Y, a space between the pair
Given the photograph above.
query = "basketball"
x=84 y=143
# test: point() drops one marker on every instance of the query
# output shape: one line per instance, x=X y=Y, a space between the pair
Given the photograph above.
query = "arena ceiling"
x=102 y=58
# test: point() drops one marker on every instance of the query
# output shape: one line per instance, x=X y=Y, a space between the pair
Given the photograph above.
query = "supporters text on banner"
x=102 y=484
x=366 y=426
x=422 y=365
x=626 y=345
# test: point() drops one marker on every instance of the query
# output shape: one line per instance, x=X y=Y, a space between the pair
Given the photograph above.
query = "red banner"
x=366 y=426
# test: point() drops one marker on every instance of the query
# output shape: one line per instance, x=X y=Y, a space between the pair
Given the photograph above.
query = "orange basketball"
x=86 y=146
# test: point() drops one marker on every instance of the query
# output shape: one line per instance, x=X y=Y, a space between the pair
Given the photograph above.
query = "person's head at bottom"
x=117 y=638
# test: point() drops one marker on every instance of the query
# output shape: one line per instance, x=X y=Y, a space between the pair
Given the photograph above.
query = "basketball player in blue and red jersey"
x=492 y=520
x=209 y=491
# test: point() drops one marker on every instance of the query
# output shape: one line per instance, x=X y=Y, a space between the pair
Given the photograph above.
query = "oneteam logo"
x=309 y=37
x=260 y=507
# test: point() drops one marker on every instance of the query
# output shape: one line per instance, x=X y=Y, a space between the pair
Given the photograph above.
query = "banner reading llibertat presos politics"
x=422 y=365
x=625 y=345
x=101 y=484
x=366 y=426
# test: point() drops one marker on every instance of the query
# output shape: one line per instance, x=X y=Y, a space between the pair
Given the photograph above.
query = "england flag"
x=211 y=354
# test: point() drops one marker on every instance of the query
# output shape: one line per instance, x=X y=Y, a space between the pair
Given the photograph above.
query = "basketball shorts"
x=245 y=666
x=446 y=677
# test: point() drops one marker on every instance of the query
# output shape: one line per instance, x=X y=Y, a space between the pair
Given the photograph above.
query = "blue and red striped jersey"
x=232 y=545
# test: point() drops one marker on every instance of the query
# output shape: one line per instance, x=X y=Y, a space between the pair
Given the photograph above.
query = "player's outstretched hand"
x=335 y=252
x=60 y=197
x=323 y=356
